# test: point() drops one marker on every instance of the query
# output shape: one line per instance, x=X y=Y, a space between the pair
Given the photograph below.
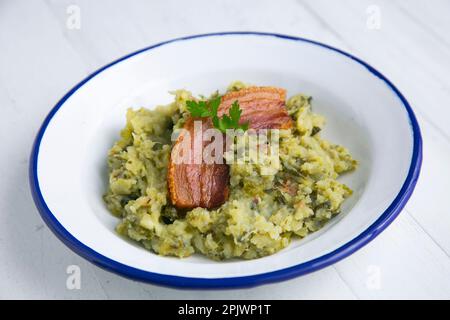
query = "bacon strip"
x=194 y=184
x=206 y=185
x=263 y=107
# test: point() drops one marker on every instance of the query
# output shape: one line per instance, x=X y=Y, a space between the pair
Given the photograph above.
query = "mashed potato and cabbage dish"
x=239 y=209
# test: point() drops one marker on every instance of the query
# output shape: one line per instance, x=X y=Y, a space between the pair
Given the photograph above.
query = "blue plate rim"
x=232 y=282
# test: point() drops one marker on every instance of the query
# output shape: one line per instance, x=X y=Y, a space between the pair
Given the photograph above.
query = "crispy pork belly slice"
x=196 y=183
x=263 y=107
x=205 y=185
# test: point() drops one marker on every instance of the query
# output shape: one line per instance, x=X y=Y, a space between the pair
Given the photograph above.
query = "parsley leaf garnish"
x=198 y=109
x=210 y=108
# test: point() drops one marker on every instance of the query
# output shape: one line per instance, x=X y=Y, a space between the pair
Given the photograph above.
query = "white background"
x=41 y=59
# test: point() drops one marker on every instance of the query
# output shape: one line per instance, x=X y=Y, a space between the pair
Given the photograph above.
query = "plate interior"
x=362 y=112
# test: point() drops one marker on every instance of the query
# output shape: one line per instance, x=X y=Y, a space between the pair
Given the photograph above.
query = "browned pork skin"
x=193 y=184
x=262 y=107
x=204 y=185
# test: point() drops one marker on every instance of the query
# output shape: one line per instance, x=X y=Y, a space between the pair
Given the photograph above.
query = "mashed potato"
x=263 y=212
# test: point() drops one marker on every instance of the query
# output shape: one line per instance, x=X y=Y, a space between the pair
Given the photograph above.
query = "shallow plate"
x=365 y=113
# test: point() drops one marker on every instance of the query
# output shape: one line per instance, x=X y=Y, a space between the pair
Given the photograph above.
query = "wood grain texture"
x=41 y=59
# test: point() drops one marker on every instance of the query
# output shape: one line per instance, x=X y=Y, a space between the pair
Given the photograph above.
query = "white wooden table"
x=43 y=54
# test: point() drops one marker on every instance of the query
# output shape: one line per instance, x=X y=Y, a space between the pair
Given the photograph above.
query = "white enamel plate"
x=365 y=113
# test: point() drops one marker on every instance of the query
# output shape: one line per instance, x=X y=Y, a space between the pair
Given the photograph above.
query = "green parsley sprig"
x=210 y=108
